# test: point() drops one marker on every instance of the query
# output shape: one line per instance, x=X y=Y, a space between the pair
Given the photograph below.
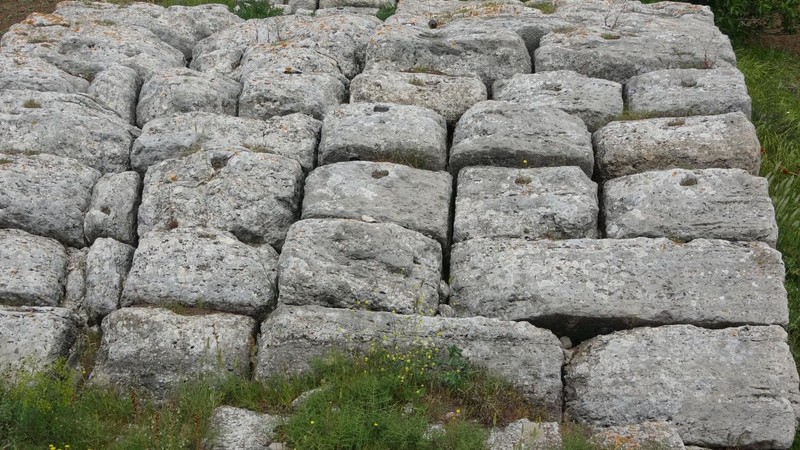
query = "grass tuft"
x=386 y=11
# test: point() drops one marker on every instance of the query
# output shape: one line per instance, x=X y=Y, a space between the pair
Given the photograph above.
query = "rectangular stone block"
x=31 y=339
x=584 y=287
x=32 y=269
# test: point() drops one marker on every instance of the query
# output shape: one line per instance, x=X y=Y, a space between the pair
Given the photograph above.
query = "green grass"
x=246 y=9
x=773 y=81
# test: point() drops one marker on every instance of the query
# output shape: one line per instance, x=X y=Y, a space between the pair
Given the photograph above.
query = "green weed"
x=544 y=7
x=386 y=11
x=246 y=9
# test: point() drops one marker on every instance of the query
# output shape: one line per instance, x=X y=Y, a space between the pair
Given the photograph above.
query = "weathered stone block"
x=525 y=435
x=720 y=388
x=31 y=339
x=403 y=134
x=350 y=264
x=689 y=204
x=237 y=428
x=663 y=435
x=19 y=72
x=32 y=269
x=117 y=87
x=107 y=266
x=267 y=95
x=543 y=203
x=113 y=207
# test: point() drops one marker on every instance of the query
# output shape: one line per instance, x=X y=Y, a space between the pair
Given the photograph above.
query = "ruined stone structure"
x=510 y=182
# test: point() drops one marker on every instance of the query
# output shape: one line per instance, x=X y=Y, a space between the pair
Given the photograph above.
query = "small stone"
x=566 y=342
x=525 y=435
x=237 y=428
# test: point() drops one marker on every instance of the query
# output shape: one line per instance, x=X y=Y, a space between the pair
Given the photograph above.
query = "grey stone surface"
x=494 y=133
x=33 y=338
x=32 y=269
x=449 y=96
x=113 y=207
x=172 y=91
x=661 y=435
x=720 y=388
x=202 y=268
x=688 y=92
x=402 y=134
x=384 y=192
x=585 y=286
x=21 y=72
x=726 y=141
x=107 y=266
x=527 y=356
x=351 y=264
x=255 y=196
x=267 y=95
x=117 y=87
x=46 y=195
x=156 y=349
x=543 y=203
x=341 y=37
x=40 y=122
x=355 y=3
x=84 y=48
x=525 y=435
x=287 y=58
x=489 y=53
x=594 y=100
x=689 y=204
x=242 y=429
x=294 y=136
x=75 y=280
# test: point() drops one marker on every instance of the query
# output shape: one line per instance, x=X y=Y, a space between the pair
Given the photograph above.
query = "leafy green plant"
x=544 y=7
x=385 y=11
x=246 y=9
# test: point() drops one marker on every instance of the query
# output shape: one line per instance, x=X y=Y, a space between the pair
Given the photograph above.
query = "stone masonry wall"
x=476 y=173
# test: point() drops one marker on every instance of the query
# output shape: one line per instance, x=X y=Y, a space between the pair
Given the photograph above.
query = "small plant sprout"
x=31 y=103
x=523 y=179
x=385 y=11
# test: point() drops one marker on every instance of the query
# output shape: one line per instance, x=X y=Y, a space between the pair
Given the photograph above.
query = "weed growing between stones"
x=386 y=11
x=246 y=9
x=544 y=7
x=31 y=103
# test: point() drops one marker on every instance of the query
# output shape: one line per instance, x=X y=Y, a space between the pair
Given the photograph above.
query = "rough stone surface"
x=726 y=141
x=314 y=94
x=350 y=264
x=720 y=388
x=449 y=96
x=286 y=59
x=117 y=87
x=172 y=91
x=527 y=356
x=75 y=280
x=594 y=100
x=255 y=196
x=155 y=349
x=525 y=435
x=403 y=134
x=587 y=286
x=32 y=269
x=688 y=92
x=383 y=192
x=543 y=203
x=690 y=204
x=107 y=266
x=46 y=195
x=661 y=435
x=294 y=136
x=488 y=53
x=238 y=428
x=203 y=269
x=112 y=210
x=21 y=73
x=33 y=338
x=494 y=133
x=69 y=125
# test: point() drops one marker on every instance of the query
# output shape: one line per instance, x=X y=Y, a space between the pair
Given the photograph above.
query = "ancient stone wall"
x=479 y=173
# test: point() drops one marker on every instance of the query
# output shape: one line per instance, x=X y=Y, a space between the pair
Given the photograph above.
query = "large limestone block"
x=403 y=134
x=527 y=356
x=661 y=435
x=255 y=196
x=178 y=26
x=734 y=387
x=117 y=87
x=489 y=53
x=85 y=48
x=382 y=192
x=690 y=204
x=112 y=211
x=351 y=264
x=688 y=92
x=726 y=141
x=156 y=349
x=69 y=125
x=505 y=134
x=107 y=266
x=449 y=96
x=586 y=286
x=32 y=269
x=19 y=72
x=237 y=428
x=266 y=95
x=342 y=37
x=294 y=136
x=46 y=195
x=173 y=91
x=31 y=339
x=594 y=100
x=202 y=268
x=285 y=59
x=543 y=203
